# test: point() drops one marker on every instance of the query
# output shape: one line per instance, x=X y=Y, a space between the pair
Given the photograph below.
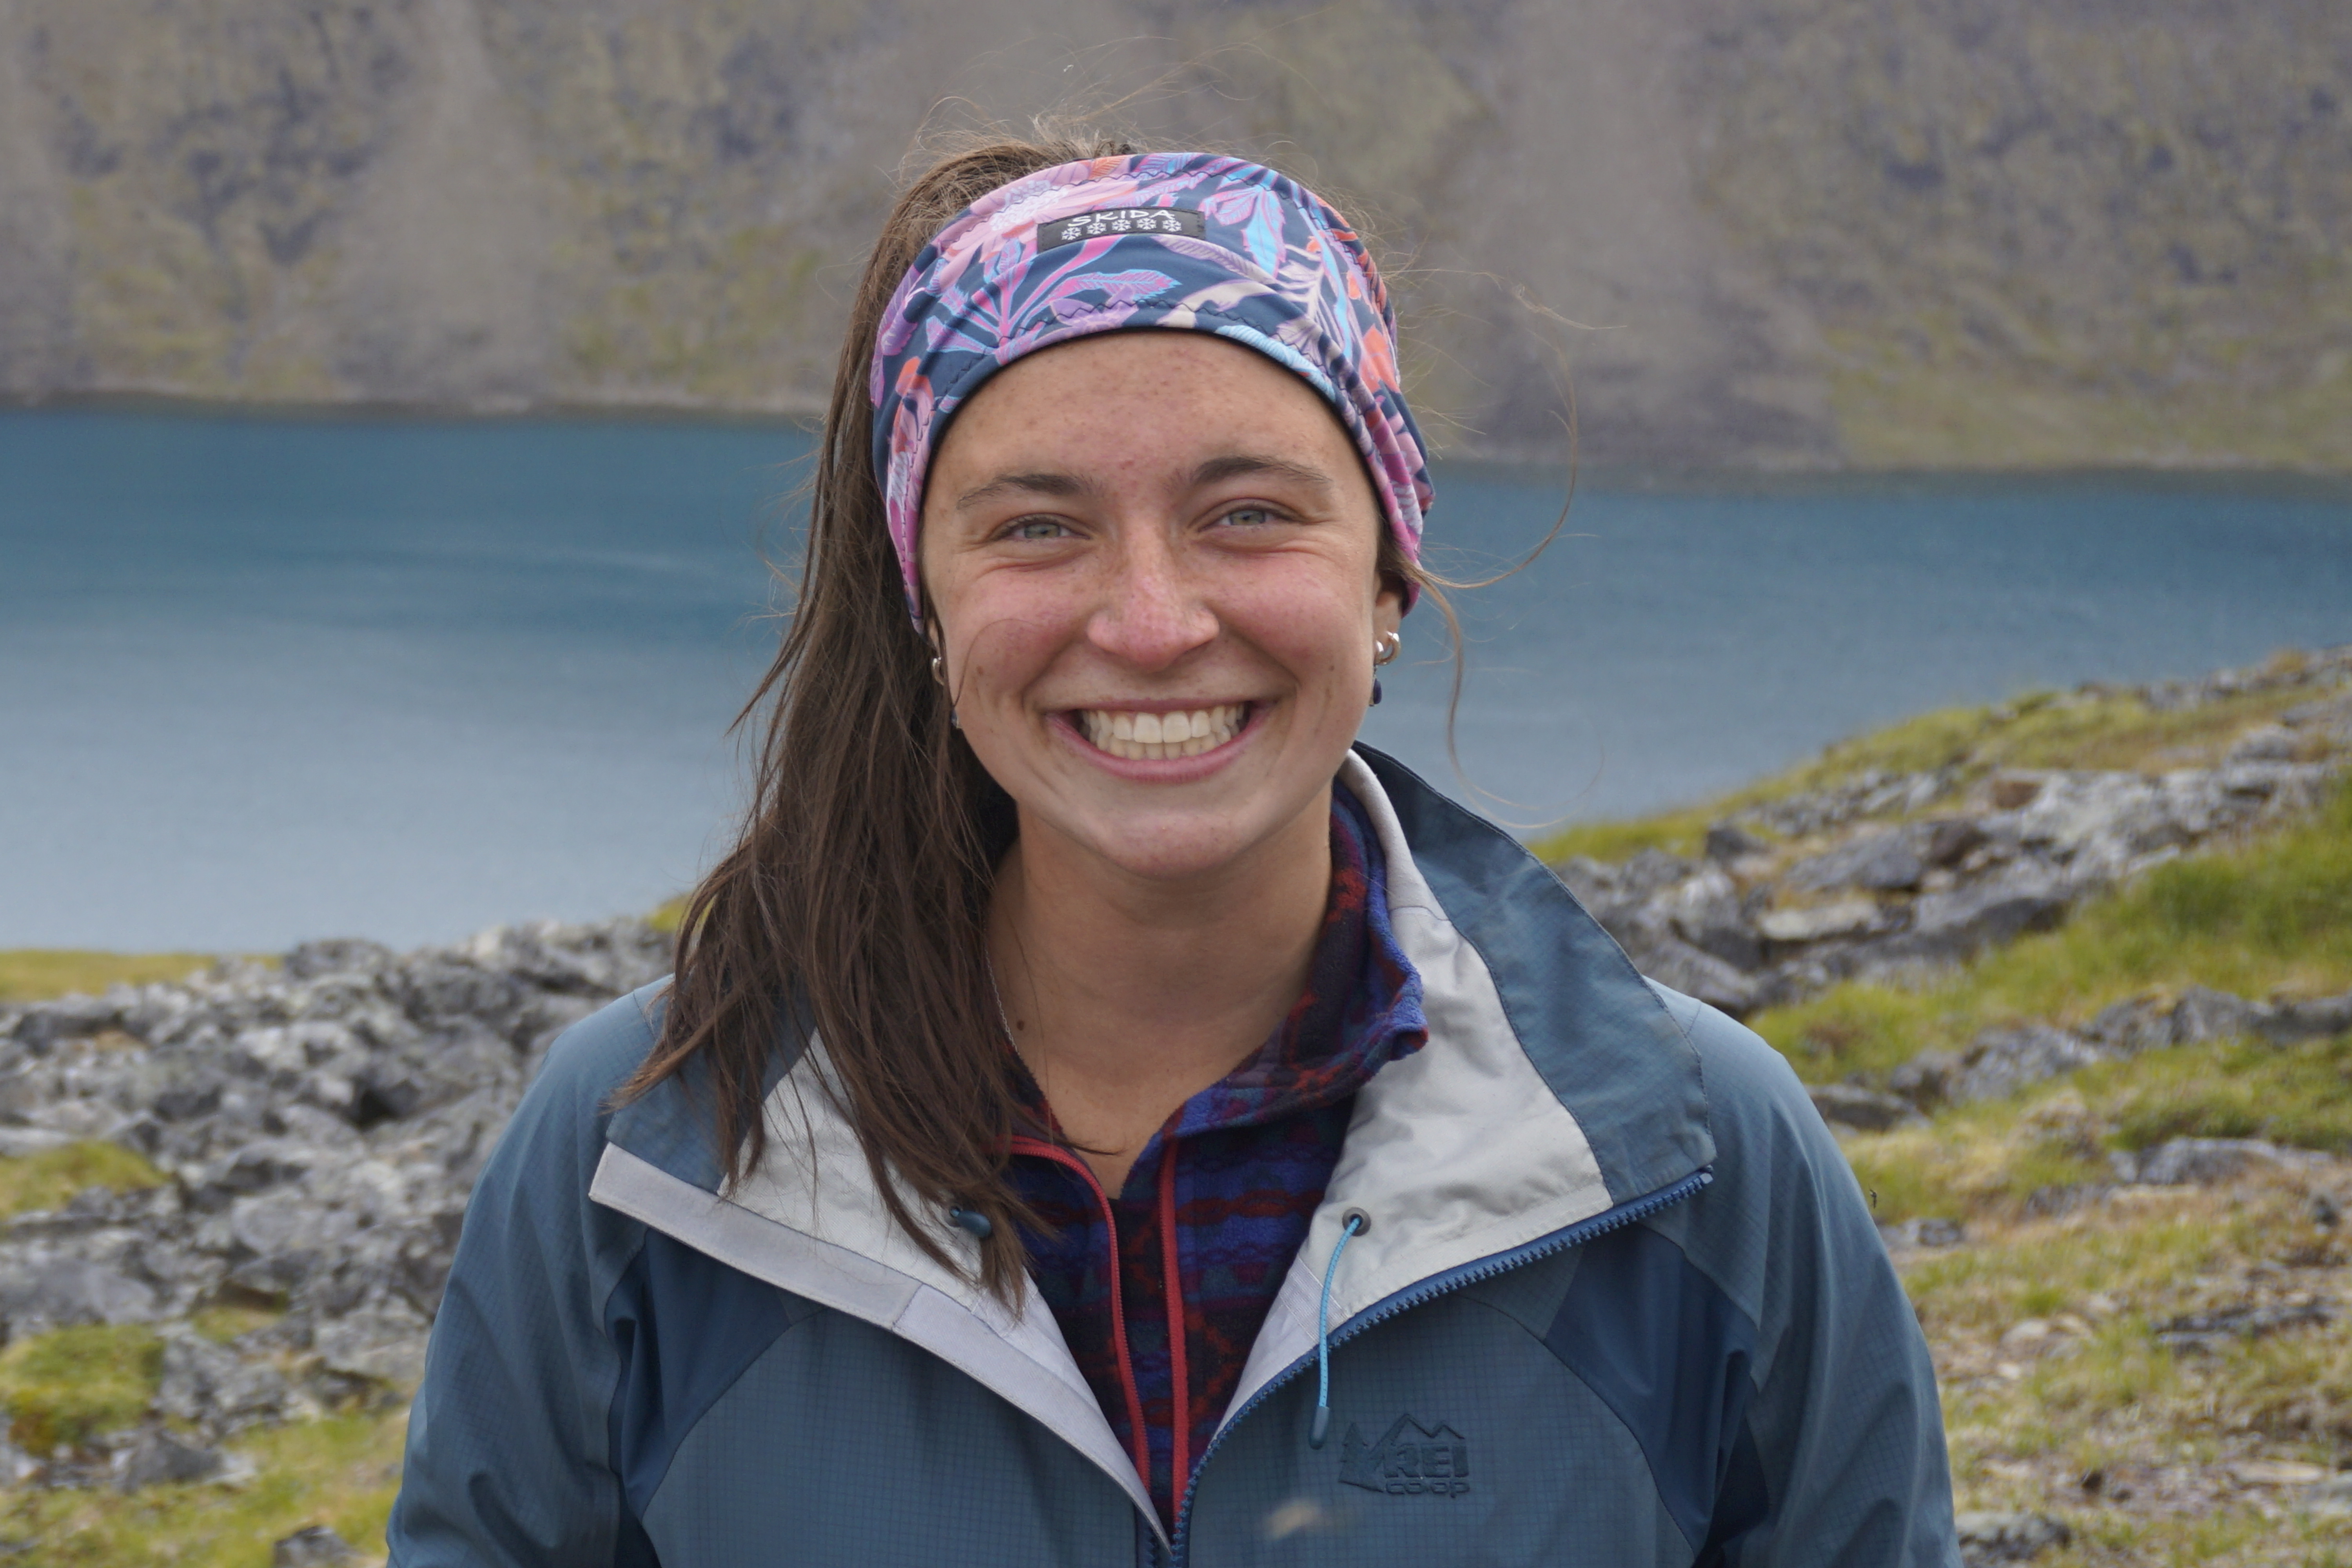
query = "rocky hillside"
x=1889 y=876
x=1780 y=232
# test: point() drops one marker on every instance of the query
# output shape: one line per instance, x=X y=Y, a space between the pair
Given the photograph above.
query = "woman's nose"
x=1152 y=612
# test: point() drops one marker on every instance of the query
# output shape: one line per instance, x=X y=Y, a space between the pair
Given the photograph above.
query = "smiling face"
x=1152 y=558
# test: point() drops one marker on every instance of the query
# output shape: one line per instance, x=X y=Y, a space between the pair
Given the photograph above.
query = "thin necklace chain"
x=1003 y=1021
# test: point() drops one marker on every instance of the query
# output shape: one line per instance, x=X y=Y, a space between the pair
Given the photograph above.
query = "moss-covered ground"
x=46 y=1180
x=2060 y=1396
x=339 y=1470
x=31 y=974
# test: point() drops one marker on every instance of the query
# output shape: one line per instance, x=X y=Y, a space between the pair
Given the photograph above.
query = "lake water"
x=264 y=680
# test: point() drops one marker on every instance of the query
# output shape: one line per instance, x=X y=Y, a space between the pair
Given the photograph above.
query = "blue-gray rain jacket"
x=1619 y=1303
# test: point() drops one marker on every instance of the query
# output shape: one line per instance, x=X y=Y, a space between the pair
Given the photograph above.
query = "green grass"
x=342 y=1471
x=44 y=1180
x=2300 y=1096
x=2267 y=918
x=222 y=1324
x=71 y=1385
x=38 y=973
x=2095 y=1390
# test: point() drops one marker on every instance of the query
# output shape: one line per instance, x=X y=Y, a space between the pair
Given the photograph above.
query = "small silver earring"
x=1385 y=648
x=939 y=671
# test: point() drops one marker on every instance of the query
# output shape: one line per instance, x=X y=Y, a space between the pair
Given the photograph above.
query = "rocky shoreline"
x=1892 y=877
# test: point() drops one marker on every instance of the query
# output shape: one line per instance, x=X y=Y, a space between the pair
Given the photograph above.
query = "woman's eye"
x=1248 y=517
x=1038 y=527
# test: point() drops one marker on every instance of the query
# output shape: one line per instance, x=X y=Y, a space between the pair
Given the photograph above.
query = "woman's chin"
x=1172 y=841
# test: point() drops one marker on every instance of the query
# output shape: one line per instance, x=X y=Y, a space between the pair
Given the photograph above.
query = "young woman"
x=1101 y=1115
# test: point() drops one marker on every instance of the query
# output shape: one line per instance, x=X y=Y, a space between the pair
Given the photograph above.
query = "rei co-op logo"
x=1409 y=1460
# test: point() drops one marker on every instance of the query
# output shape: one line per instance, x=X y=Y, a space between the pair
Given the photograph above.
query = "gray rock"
x=382 y=1345
x=1952 y=925
x=1859 y=1108
x=1988 y=1538
x=1881 y=861
x=2002 y=1061
x=158 y=1458
x=2203 y=1332
x=2288 y=1021
x=1727 y=842
x=2330 y=1498
x=17 y=1467
x=1927 y=1080
x=69 y=1290
x=444 y=988
x=289 y=1220
x=276 y=1277
x=2141 y=1024
x=316 y=1547
x=1650 y=871
x=1935 y=1232
x=44 y=1028
x=337 y=956
x=202 y=1382
x=2054 y=1203
x=1854 y=916
x=1722 y=934
x=18 y=1142
x=1677 y=964
x=1705 y=911
x=2208 y=1162
x=1947 y=841
x=2266 y=743
x=2203 y=1014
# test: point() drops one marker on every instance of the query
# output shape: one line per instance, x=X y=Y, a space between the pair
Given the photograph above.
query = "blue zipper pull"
x=970 y=1221
x=1357 y=1220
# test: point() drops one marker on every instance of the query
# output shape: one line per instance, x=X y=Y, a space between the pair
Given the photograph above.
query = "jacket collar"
x=1554 y=1087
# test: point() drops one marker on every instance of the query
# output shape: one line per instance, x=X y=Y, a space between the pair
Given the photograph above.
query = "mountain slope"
x=1789 y=232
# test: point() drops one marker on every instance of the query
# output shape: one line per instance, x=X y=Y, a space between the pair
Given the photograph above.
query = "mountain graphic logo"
x=1409 y=1460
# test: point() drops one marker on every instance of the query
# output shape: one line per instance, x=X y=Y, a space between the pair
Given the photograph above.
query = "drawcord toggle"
x=1321 y=1427
x=972 y=1222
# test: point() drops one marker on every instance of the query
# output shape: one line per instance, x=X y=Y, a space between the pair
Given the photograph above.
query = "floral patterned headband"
x=1192 y=240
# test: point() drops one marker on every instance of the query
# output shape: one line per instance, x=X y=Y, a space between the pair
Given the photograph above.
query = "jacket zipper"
x=1427 y=1290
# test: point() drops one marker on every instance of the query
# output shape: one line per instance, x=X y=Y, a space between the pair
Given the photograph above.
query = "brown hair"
x=852 y=909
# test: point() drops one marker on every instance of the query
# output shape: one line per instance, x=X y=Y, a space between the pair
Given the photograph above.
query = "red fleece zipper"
x=1138 y=1437
x=1171 y=1291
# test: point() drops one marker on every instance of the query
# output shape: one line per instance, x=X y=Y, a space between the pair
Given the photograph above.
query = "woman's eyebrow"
x=1043 y=483
x=1240 y=465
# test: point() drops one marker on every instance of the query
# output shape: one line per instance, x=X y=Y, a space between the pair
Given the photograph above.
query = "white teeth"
x=1158 y=737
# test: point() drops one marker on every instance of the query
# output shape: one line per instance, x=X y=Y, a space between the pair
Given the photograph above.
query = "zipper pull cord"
x=1321 y=1428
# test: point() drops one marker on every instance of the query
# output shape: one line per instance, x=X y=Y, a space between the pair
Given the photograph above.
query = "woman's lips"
x=1160 y=737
